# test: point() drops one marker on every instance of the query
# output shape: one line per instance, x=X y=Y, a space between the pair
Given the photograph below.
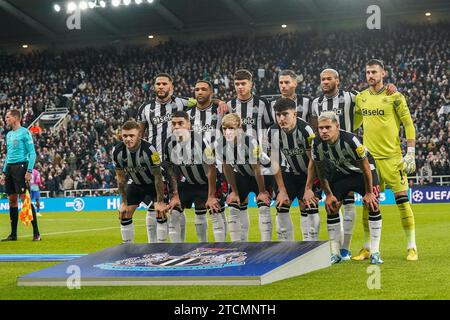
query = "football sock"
x=244 y=222
x=365 y=219
x=349 y=222
x=14 y=216
x=162 y=229
x=201 y=224
x=375 y=223
x=407 y=218
x=34 y=223
x=218 y=224
x=234 y=221
x=314 y=224
x=334 y=232
x=265 y=222
x=150 y=222
x=304 y=224
x=174 y=225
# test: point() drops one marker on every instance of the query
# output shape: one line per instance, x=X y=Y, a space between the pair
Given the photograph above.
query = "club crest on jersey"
x=214 y=117
x=337 y=111
x=255 y=110
x=341 y=99
x=198 y=259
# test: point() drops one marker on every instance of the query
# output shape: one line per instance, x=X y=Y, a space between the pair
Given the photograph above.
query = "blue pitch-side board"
x=180 y=260
x=84 y=204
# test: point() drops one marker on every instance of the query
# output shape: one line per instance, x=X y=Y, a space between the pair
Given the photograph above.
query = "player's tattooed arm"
x=121 y=184
x=173 y=184
x=320 y=170
x=159 y=184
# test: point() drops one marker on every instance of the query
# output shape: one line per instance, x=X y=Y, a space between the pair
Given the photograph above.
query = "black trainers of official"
x=37 y=238
x=10 y=238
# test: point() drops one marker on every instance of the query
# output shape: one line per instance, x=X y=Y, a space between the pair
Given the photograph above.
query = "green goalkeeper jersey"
x=380 y=116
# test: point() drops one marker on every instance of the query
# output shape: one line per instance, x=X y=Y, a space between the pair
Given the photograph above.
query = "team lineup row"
x=271 y=149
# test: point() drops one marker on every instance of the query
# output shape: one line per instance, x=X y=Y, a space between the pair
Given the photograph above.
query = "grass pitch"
x=89 y=232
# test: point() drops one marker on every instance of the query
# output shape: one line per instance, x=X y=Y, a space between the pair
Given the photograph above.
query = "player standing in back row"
x=380 y=115
x=256 y=118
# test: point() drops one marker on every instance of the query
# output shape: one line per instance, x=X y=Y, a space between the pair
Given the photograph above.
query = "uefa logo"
x=417 y=196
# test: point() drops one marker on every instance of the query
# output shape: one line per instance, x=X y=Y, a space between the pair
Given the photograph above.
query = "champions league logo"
x=199 y=259
x=417 y=196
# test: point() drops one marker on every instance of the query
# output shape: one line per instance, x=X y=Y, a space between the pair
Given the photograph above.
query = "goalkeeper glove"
x=191 y=102
x=409 y=161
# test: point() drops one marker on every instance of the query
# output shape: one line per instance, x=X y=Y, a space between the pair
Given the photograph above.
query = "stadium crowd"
x=104 y=87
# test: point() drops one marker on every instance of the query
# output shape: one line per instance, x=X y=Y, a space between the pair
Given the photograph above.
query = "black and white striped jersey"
x=241 y=154
x=303 y=104
x=256 y=115
x=189 y=156
x=345 y=153
x=292 y=146
x=157 y=119
x=137 y=164
x=206 y=122
x=342 y=104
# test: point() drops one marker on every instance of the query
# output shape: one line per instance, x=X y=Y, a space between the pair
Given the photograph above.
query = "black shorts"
x=192 y=193
x=15 y=178
x=137 y=193
x=295 y=185
x=342 y=184
x=247 y=184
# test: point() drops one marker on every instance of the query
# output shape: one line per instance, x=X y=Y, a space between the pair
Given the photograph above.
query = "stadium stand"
x=104 y=87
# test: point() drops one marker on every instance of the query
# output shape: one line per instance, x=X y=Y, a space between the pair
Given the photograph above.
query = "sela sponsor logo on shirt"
x=77 y=204
x=372 y=112
x=161 y=119
x=200 y=128
x=436 y=194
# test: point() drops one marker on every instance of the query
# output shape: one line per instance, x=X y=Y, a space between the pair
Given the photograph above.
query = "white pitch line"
x=78 y=231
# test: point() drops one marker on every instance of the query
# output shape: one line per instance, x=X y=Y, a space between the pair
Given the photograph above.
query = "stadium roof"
x=25 y=20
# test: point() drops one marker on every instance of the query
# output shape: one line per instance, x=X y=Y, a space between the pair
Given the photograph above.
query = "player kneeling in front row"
x=136 y=159
x=355 y=171
x=240 y=155
x=290 y=142
x=185 y=155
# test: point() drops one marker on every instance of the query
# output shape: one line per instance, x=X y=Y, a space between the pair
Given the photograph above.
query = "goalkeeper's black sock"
x=34 y=222
x=14 y=216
